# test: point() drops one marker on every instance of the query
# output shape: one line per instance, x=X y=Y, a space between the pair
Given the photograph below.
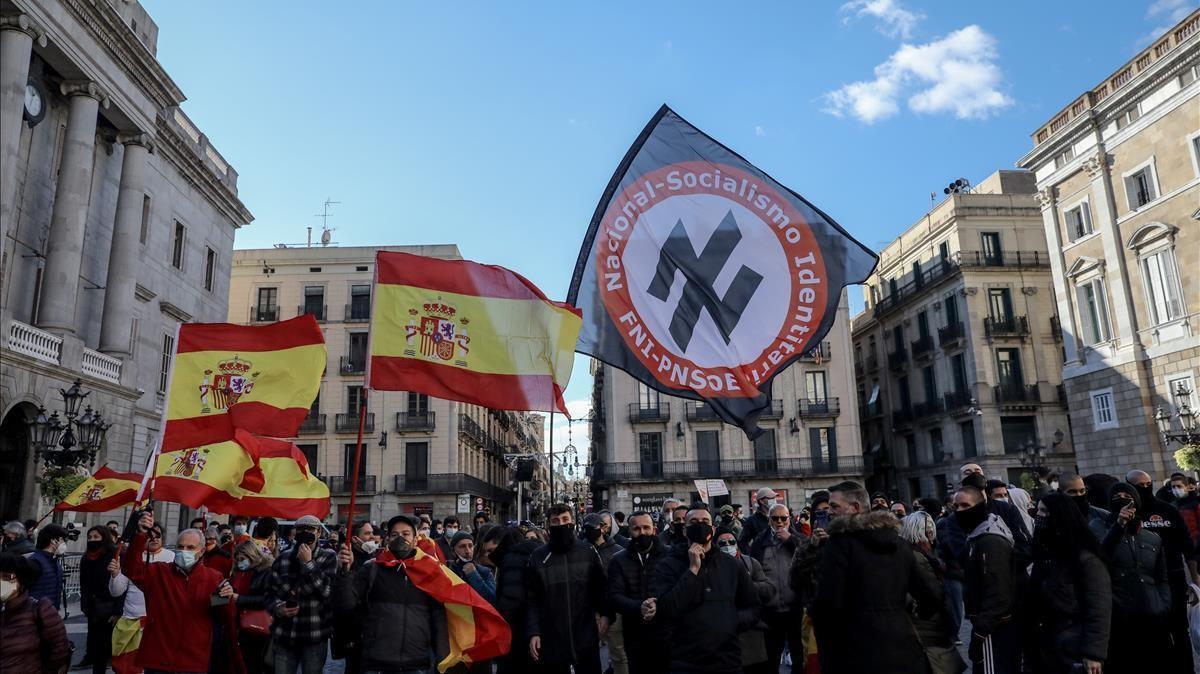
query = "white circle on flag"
x=759 y=249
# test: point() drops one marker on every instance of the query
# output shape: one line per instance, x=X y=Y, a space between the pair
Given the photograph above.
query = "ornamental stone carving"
x=138 y=138
x=1029 y=290
x=1095 y=164
x=22 y=23
x=1046 y=197
x=84 y=88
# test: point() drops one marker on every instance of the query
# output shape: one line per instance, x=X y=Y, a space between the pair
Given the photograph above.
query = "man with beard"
x=401 y=624
x=567 y=612
x=1073 y=487
x=707 y=598
x=1164 y=519
x=302 y=582
x=629 y=597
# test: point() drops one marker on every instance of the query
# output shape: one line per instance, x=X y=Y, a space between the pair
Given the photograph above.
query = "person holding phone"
x=301 y=586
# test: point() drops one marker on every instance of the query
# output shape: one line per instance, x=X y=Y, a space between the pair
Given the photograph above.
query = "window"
x=1188 y=382
x=416 y=460
x=940 y=488
x=178 y=245
x=650 y=454
x=348 y=464
x=1104 y=414
x=1079 y=221
x=1061 y=159
x=354 y=396
x=944 y=250
x=1188 y=76
x=898 y=338
x=210 y=268
x=1194 y=144
x=905 y=396
x=265 y=309
x=145 y=231
x=914 y=488
x=930 y=383
x=958 y=367
x=1128 y=117
x=314 y=301
x=936 y=449
x=358 y=351
x=418 y=404
x=1093 y=311
x=951 y=306
x=823 y=446
x=164 y=370
x=315 y=408
x=1000 y=306
x=764 y=452
x=1016 y=432
x=922 y=324
x=708 y=453
x=314 y=270
x=360 y=302
x=1140 y=187
x=1161 y=279
x=310 y=455
x=910 y=448
x=967 y=430
x=1008 y=368
x=815 y=386
x=992 y=254
x=648 y=398
x=918 y=280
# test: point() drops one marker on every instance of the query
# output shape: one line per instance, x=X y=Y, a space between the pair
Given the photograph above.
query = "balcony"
x=1011 y=326
x=773 y=411
x=897 y=360
x=952 y=334
x=922 y=348
x=352 y=365
x=450 y=483
x=467 y=428
x=653 y=471
x=313 y=424
x=926 y=409
x=870 y=410
x=640 y=413
x=910 y=286
x=1016 y=394
x=34 y=343
x=357 y=312
x=264 y=314
x=872 y=363
x=348 y=422
x=1056 y=329
x=318 y=312
x=101 y=366
x=416 y=422
x=902 y=417
x=817 y=354
x=1061 y=395
x=815 y=408
x=697 y=411
x=956 y=402
x=340 y=484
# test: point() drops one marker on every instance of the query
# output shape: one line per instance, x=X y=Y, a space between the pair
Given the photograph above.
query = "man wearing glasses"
x=774 y=550
x=302 y=582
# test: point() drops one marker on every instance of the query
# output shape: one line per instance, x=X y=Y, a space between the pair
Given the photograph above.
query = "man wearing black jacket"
x=707 y=598
x=989 y=585
x=629 y=573
x=758 y=522
x=567 y=612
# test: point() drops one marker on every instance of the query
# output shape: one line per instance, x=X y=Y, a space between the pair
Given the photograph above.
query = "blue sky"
x=497 y=125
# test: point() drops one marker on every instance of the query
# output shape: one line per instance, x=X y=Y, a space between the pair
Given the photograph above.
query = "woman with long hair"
x=250 y=606
x=100 y=607
x=1070 y=597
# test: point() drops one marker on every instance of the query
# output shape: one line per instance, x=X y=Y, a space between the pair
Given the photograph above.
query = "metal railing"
x=923 y=346
x=468 y=428
x=697 y=411
x=946 y=267
x=872 y=362
x=352 y=365
x=1016 y=394
x=416 y=421
x=774 y=410
x=357 y=313
x=318 y=313
x=348 y=422
x=649 y=412
x=897 y=359
x=951 y=334
x=450 y=483
x=818 y=407
x=1011 y=326
x=634 y=471
x=956 y=400
x=313 y=424
x=340 y=484
x=902 y=416
x=927 y=408
x=821 y=352
x=264 y=314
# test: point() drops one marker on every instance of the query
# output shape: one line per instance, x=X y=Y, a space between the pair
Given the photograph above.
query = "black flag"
x=703 y=277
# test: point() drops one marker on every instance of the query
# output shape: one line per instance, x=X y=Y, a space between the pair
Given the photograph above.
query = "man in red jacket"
x=179 y=616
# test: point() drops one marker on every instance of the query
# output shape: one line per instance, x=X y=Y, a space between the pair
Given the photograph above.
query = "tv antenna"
x=326 y=237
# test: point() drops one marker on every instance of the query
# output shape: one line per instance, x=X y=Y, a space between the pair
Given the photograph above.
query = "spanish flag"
x=248 y=475
x=262 y=379
x=477 y=631
x=105 y=490
x=460 y=330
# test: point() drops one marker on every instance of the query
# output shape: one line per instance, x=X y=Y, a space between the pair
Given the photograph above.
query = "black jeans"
x=99 y=643
x=784 y=628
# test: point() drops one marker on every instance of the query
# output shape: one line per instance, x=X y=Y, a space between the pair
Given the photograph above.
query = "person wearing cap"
x=302 y=584
x=879 y=501
x=759 y=521
x=402 y=626
x=730 y=521
x=479 y=577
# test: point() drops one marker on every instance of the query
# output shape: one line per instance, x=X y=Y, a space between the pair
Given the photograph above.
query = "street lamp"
x=1030 y=457
x=70 y=443
x=1188 y=433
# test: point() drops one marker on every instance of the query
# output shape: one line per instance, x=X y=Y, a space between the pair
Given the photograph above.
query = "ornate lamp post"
x=1031 y=455
x=69 y=443
x=1188 y=433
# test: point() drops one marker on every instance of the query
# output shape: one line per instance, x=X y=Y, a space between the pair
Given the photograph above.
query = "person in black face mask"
x=1164 y=519
x=646 y=637
x=567 y=613
x=1073 y=487
x=707 y=598
x=94 y=598
x=988 y=583
x=675 y=534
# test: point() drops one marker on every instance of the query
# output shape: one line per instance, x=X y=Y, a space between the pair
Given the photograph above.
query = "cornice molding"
x=174 y=311
x=178 y=150
x=143 y=293
x=143 y=139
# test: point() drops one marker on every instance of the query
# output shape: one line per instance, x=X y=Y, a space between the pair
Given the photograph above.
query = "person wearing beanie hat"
x=729 y=520
x=479 y=577
x=879 y=501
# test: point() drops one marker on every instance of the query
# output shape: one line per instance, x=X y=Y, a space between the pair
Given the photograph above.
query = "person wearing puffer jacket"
x=512 y=557
x=990 y=596
x=1140 y=590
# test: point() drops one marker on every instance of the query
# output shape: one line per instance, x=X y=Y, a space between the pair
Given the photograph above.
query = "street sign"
x=464 y=504
x=478 y=504
x=650 y=502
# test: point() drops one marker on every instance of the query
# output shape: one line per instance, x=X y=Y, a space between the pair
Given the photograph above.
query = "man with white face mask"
x=363 y=544
x=51 y=546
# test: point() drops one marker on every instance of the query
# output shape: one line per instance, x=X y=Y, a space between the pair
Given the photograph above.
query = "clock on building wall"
x=35 y=102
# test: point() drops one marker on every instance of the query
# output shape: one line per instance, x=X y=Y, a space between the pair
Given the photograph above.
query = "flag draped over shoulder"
x=261 y=379
x=104 y=490
x=477 y=631
x=703 y=277
x=464 y=331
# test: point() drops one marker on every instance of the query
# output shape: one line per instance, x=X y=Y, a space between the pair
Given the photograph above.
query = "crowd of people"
x=1087 y=574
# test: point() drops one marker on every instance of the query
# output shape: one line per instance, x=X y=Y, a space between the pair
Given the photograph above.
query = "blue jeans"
x=310 y=658
x=954 y=604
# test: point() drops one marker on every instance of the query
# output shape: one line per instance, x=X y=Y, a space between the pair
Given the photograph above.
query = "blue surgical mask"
x=243 y=564
x=185 y=559
x=239 y=529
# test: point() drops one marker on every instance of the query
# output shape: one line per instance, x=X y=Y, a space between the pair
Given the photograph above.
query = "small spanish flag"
x=460 y=330
x=477 y=631
x=262 y=379
x=105 y=490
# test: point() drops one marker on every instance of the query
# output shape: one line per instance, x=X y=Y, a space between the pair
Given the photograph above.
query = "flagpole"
x=362 y=420
x=552 y=501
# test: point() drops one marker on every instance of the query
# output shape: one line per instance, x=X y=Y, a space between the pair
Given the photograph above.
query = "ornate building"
x=1118 y=174
x=117 y=219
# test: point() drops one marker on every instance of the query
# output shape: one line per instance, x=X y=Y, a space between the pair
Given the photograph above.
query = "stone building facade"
x=647 y=446
x=117 y=220
x=420 y=454
x=957 y=355
x=1118 y=174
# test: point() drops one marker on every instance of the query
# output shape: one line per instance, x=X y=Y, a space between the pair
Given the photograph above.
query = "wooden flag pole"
x=362 y=420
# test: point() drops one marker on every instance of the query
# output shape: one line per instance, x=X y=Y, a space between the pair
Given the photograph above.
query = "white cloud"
x=759 y=131
x=890 y=18
x=1167 y=13
x=956 y=74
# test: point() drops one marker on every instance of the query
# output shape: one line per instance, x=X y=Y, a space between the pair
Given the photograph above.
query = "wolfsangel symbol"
x=713 y=278
x=437 y=333
x=232 y=381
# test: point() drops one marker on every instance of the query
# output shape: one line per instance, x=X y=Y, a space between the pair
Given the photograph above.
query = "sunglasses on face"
x=779 y=518
x=153 y=534
x=726 y=544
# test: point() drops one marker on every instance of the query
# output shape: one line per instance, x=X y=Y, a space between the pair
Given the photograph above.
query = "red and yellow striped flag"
x=460 y=330
x=477 y=631
x=258 y=378
x=105 y=490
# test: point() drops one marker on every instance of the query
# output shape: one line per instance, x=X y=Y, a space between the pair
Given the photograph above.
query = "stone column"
x=1104 y=215
x=1063 y=297
x=123 y=256
x=64 y=253
x=16 y=45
